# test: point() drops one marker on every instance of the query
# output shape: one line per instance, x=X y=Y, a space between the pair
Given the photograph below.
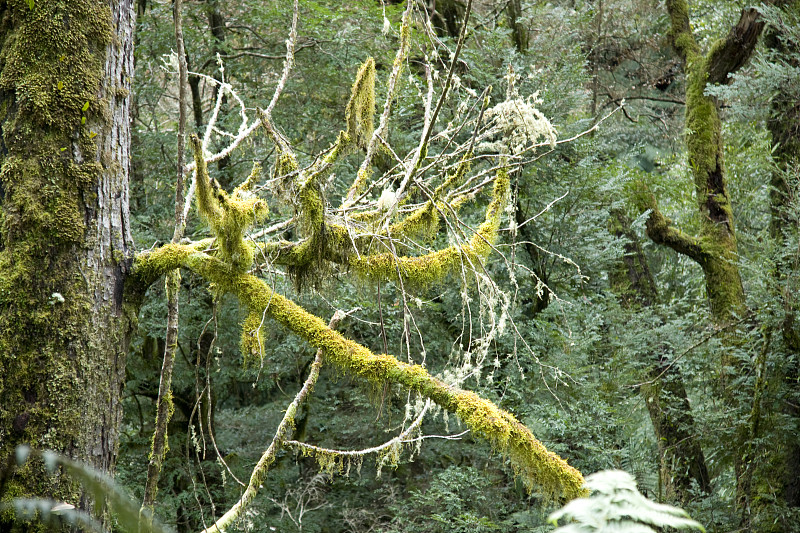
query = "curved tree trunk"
x=65 y=244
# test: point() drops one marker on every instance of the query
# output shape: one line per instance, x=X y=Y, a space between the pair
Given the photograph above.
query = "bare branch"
x=268 y=457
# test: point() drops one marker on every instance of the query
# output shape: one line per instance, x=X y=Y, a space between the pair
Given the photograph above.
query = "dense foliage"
x=562 y=337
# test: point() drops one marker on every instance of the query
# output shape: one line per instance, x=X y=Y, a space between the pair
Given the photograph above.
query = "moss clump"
x=361 y=107
x=252 y=340
x=285 y=165
x=228 y=215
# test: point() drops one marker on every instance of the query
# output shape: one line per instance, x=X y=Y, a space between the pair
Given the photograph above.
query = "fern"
x=616 y=506
x=101 y=489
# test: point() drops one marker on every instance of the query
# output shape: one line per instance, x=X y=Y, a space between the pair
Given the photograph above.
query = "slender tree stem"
x=172 y=284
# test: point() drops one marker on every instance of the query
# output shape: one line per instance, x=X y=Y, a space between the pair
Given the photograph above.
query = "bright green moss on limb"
x=365 y=169
x=680 y=32
x=660 y=229
x=228 y=215
x=535 y=465
x=433 y=267
x=361 y=107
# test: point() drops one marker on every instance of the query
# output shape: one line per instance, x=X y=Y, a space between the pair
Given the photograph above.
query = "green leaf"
x=85 y=107
x=83 y=120
x=60 y=85
x=616 y=506
x=30 y=4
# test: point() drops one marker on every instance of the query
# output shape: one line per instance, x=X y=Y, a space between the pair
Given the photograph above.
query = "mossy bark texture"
x=65 y=245
x=715 y=247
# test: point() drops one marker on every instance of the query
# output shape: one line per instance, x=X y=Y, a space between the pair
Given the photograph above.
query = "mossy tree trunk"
x=682 y=462
x=715 y=247
x=65 y=245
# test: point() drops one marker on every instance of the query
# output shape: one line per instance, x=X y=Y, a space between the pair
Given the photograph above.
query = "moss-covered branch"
x=729 y=54
x=365 y=169
x=433 y=267
x=661 y=231
x=536 y=466
x=715 y=248
x=680 y=33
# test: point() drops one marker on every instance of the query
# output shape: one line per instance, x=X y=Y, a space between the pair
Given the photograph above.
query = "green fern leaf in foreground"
x=616 y=506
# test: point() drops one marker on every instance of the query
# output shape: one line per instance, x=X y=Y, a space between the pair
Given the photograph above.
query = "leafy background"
x=576 y=387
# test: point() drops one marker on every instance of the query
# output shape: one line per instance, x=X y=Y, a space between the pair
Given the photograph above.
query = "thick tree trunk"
x=716 y=248
x=65 y=244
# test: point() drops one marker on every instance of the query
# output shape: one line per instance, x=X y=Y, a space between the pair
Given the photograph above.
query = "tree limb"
x=680 y=33
x=537 y=466
x=660 y=229
x=730 y=54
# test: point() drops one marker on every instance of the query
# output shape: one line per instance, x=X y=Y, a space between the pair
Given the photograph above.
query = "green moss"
x=361 y=107
x=285 y=164
x=53 y=63
x=228 y=216
x=425 y=270
x=532 y=461
x=703 y=129
x=252 y=340
x=56 y=43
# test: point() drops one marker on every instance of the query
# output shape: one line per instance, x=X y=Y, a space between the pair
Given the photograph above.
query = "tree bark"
x=65 y=243
x=682 y=462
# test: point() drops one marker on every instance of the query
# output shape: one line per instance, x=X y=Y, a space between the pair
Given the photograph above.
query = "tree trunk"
x=682 y=462
x=540 y=299
x=65 y=244
x=519 y=32
x=715 y=248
